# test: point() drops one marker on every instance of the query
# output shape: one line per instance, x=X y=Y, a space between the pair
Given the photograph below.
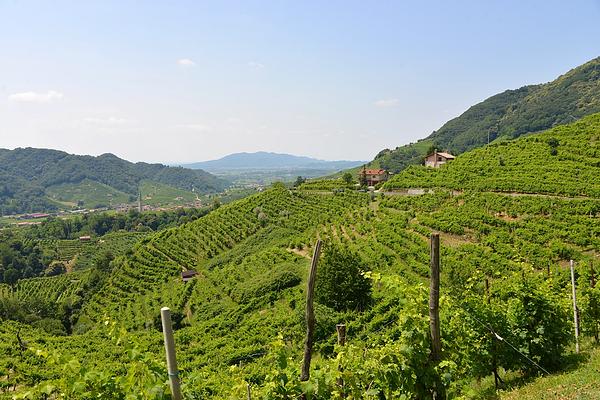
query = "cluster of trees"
x=99 y=224
x=341 y=283
x=19 y=258
x=53 y=304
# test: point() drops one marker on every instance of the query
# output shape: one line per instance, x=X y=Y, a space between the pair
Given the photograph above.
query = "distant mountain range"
x=509 y=114
x=27 y=175
x=269 y=161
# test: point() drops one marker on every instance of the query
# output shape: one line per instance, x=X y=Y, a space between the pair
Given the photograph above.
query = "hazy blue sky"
x=176 y=81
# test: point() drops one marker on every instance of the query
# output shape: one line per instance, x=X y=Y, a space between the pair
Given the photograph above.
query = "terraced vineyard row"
x=50 y=289
x=155 y=264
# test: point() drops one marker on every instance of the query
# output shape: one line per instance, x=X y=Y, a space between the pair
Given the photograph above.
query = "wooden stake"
x=434 y=299
x=165 y=315
x=575 y=312
x=341 y=333
x=248 y=391
x=310 y=313
x=592 y=275
x=438 y=390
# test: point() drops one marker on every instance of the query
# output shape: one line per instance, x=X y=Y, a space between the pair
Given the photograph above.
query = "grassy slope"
x=91 y=193
x=154 y=193
x=524 y=165
x=581 y=383
x=94 y=194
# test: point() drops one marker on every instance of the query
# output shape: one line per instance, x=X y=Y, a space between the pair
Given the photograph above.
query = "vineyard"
x=505 y=306
x=53 y=289
x=156 y=262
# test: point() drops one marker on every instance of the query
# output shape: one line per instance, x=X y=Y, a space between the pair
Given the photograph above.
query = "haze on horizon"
x=187 y=81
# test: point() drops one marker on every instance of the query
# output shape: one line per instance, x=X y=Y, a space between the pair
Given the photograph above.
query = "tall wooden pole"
x=165 y=315
x=575 y=313
x=438 y=390
x=310 y=313
x=341 y=335
x=592 y=275
x=434 y=298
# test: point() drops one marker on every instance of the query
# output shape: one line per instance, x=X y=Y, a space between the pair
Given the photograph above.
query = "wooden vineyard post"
x=592 y=275
x=248 y=391
x=341 y=334
x=575 y=311
x=165 y=315
x=434 y=298
x=310 y=314
x=434 y=312
x=593 y=285
x=487 y=290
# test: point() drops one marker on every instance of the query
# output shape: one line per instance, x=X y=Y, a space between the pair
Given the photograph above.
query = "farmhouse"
x=188 y=275
x=373 y=176
x=34 y=216
x=435 y=159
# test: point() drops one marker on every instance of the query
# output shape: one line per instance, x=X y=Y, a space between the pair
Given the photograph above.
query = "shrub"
x=340 y=283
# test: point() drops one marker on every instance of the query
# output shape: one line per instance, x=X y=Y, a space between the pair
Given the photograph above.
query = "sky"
x=184 y=81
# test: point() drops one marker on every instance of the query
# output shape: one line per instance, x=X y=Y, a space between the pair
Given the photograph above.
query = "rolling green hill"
x=508 y=115
x=154 y=193
x=29 y=176
x=88 y=194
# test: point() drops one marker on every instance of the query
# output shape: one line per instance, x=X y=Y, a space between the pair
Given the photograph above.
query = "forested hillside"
x=508 y=115
x=505 y=305
x=26 y=174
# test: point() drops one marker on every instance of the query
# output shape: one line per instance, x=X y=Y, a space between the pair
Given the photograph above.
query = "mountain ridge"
x=26 y=174
x=261 y=160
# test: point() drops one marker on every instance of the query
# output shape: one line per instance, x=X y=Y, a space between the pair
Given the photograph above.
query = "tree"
x=340 y=283
x=299 y=181
x=362 y=177
x=347 y=177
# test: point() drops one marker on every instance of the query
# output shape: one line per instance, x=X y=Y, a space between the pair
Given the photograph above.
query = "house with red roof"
x=373 y=177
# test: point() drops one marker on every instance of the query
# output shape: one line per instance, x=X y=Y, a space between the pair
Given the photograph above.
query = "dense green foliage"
x=99 y=224
x=504 y=307
x=508 y=115
x=47 y=249
x=25 y=174
x=19 y=259
x=326 y=184
x=340 y=281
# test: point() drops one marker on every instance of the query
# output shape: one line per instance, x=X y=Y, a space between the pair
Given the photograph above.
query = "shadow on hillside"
x=513 y=380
